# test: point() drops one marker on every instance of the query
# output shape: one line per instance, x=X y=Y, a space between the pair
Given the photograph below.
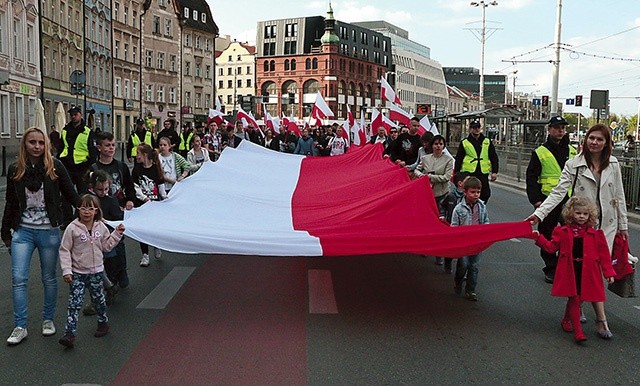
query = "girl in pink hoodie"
x=83 y=243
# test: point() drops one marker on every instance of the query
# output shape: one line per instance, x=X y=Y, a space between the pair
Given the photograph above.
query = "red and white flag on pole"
x=387 y=92
x=378 y=119
x=246 y=118
x=321 y=109
x=398 y=114
x=289 y=123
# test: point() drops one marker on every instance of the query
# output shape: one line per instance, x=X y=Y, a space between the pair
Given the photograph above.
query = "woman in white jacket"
x=595 y=174
x=197 y=155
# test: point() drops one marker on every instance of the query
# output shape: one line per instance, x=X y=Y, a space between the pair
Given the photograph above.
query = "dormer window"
x=195 y=15
x=204 y=17
x=186 y=12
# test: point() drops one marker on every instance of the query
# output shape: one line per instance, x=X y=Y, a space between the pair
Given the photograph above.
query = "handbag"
x=624 y=285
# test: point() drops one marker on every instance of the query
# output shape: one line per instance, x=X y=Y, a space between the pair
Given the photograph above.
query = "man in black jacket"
x=543 y=173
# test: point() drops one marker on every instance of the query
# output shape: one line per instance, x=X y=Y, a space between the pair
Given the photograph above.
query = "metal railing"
x=514 y=161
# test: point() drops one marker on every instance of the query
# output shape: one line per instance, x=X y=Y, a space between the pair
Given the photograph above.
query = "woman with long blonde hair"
x=32 y=216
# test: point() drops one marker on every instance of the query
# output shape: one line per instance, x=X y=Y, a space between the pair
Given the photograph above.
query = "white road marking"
x=515 y=240
x=166 y=289
x=322 y=298
x=636 y=307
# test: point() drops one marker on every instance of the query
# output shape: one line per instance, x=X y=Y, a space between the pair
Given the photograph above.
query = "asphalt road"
x=247 y=320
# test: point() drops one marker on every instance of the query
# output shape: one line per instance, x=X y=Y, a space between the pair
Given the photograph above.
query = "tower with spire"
x=329 y=40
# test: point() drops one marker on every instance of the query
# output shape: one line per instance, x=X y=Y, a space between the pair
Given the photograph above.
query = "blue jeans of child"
x=94 y=282
x=23 y=242
x=468 y=265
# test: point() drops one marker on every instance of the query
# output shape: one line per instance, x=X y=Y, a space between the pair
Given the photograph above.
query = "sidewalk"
x=632 y=215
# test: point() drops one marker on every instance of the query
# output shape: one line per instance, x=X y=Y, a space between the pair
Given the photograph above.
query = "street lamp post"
x=483 y=35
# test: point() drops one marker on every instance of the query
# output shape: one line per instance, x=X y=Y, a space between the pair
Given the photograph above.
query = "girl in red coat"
x=584 y=257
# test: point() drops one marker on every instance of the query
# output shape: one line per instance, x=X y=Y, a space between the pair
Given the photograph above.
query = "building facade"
x=161 y=65
x=125 y=19
x=20 y=83
x=236 y=66
x=198 y=60
x=468 y=78
x=300 y=56
x=418 y=78
x=62 y=53
x=98 y=64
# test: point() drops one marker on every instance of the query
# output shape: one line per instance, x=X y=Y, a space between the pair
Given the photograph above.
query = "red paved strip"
x=239 y=320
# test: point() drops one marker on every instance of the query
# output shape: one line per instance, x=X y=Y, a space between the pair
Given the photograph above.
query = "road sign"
x=536 y=101
x=77 y=80
x=570 y=101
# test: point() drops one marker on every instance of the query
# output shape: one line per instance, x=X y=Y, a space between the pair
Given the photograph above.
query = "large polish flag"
x=246 y=118
x=398 y=114
x=288 y=214
x=387 y=92
x=321 y=109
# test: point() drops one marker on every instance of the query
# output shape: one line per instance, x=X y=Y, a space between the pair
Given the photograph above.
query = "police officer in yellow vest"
x=477 y=156
x=186 y=140
x=140 y=135
x=543 y=173
x=77 y=152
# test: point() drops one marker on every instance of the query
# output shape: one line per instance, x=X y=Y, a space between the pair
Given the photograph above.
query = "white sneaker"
x=158 y=253
x=48 y=328
x=144 y=262
x=17 y=335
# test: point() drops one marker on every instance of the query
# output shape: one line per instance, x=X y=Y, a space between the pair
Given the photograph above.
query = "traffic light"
x=578 y=100
x=545 y=100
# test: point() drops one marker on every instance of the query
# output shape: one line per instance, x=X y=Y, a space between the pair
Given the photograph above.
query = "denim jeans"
x=468 y=265
x=23 y=243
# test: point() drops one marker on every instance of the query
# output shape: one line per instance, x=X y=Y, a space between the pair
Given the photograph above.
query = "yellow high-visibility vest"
x=136 y=141
x=471 y=159
x=550 y=173
x=184 y=145
x=81 y=147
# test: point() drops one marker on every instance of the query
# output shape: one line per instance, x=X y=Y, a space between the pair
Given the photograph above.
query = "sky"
x=599 y=33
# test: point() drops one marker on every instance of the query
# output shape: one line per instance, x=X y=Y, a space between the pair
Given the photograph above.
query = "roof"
x=202 y=7
x=250 y=48
x=494 y=112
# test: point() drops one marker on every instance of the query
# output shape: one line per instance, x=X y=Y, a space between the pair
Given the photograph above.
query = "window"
x=230 y=58
x=187 y=98
x=248 y=70
x=344 y=33
x=196 y=100
x=160 y=60
x=230 y=83
x=186 y=12
x=198 y=71
x=239 y=83
x=149 y=58
x=291 y=30
x=239 y=71
x=168 y=31
x=116 y=49
x=286 y=65
x=363 y=38
x=203 y=17
x=307 y=64
x=187 y=68
x=134 y=89
x=221 y=71
x=207 y=45
x=293 y=64
x=229 y=100
x=32 y=112
x=134 y=54
x=160 y=94
x=135 y=17
x=365 y=53
x=116 y=88
x=30 y=44
x=220 y=84
x=187 y=40
x=239 y=58
x=266 y=66
x=269 y=49
x=116 y=11
x=19 y=115
x=207 y=73
x=17 y=38
x=314 y=63
x=149 y=93
x=5 y=126
x=248 y=82
x=195 y=15
x=127 y=93
x=156 y=25
x=207 y=100
x=126 y=51
x=172 y=95
x=269 y=31
x=290 y=47
x=172 y=63
x=272 y=65
x=229 y=71
x=197 y=42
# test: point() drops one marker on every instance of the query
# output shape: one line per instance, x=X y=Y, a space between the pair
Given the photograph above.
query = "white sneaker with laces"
x=158 y=253
x=17 y=335
x=48 y=328
x=144 y=262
